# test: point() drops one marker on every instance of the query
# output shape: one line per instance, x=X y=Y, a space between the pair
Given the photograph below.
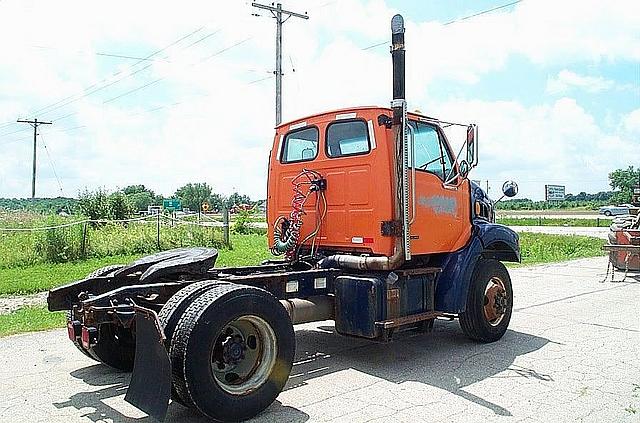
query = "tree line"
x=123 y=203
x=622 y=182
x=102 y=204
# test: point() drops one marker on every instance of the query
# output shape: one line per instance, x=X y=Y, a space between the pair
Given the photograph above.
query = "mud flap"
x=150 y=386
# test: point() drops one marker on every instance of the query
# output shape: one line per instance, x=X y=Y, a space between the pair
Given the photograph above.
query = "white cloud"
x=567 y=80
x=222 y=129
x=556 y=143
x=631 y=123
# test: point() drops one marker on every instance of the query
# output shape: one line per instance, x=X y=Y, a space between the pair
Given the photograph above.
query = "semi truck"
x=374 y=224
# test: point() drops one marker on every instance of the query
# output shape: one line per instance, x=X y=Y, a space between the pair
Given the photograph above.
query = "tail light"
x=89 y=337
x=74 y=329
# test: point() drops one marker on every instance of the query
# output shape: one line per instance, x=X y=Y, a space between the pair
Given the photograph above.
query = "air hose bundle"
x=286 y=232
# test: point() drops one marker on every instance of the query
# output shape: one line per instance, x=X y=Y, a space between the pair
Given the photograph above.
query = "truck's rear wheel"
x=232 y=352
x=489 y=302
x=173 y=310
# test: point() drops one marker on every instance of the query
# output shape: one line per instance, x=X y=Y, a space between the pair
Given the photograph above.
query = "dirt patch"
x=13 y=303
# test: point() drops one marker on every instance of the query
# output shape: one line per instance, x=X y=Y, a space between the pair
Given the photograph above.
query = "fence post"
x=158 y=226
x=539 y=220
x=84 y=240
x=598 y=222
x=225 y=226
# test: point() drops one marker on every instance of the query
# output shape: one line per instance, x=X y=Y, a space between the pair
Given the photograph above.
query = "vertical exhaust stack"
x=402 y=249
x=397 y=57
x=399 y=106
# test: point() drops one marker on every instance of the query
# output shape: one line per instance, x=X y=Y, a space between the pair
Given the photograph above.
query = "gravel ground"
x=9 y=304
x=571 y=355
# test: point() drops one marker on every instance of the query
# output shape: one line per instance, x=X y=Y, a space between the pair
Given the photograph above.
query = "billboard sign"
x=554 y=192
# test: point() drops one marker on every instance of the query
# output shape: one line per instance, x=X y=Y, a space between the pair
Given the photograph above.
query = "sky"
x=166 y=93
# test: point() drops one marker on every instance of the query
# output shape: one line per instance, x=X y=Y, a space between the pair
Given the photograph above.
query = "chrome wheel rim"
x=244 y=355
x=495 y=301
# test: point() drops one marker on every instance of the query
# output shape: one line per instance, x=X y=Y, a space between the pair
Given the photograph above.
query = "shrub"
x=60 y=244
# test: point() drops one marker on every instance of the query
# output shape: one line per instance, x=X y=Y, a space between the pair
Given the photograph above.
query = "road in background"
x=570 y=355
x=551 y=214
x=564 y=230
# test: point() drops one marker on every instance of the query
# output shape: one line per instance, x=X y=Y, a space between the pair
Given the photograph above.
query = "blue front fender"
x=489 y=240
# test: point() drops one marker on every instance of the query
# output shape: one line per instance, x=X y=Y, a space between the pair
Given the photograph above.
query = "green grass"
x=546 y=248
x=547 y=221
x=42 y=277
x=77 y=242
x=247 y=250
x=30 y=319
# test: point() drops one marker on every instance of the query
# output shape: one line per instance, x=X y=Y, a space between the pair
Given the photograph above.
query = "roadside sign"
x=554 y=192
x=205 y=206
x=172 y=204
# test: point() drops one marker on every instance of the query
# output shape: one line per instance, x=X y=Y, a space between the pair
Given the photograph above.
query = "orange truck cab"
x=354 y=150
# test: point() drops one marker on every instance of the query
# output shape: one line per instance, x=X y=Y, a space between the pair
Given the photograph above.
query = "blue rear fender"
x=489 y=240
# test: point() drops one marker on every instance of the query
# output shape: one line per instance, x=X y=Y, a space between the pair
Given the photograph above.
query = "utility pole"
x=277 y=13
x=35 y=123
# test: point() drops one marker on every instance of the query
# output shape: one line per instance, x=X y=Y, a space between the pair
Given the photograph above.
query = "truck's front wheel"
x=232 y=352
x=489 y=302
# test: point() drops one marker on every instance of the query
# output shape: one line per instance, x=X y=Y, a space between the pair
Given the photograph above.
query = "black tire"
x=173 y=310
x=103 y=271
x=116 y=347
x=198 y=334
x=607 y=213
x=96 y=273
x=474 y=320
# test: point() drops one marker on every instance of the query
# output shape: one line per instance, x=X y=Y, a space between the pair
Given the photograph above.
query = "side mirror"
x=472 y=145
x=509 y=189
x=463 y=168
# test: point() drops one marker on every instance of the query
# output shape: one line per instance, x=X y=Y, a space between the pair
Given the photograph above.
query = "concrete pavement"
x=571 y=355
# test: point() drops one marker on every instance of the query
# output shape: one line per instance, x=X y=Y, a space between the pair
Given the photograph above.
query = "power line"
x=164 y=77
x=483 y=12
x=85 y=94
x=53 y=166
x=100 y=53
x=100 y=88
x=14 y=132
x=455 y=20
x=95 y=87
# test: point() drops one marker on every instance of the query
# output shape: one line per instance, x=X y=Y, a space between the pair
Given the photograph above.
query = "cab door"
x=441 y=215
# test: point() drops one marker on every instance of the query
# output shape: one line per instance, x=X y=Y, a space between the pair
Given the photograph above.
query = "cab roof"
x=363 y=108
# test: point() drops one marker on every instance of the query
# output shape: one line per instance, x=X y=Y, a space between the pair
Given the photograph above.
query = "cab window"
x=431 y=152
x=347 y=138
x=300 y=145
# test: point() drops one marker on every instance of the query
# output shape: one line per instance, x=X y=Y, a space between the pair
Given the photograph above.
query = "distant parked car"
x=614 y=210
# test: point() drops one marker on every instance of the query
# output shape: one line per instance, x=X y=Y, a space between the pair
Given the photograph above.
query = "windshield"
x=431 y=152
